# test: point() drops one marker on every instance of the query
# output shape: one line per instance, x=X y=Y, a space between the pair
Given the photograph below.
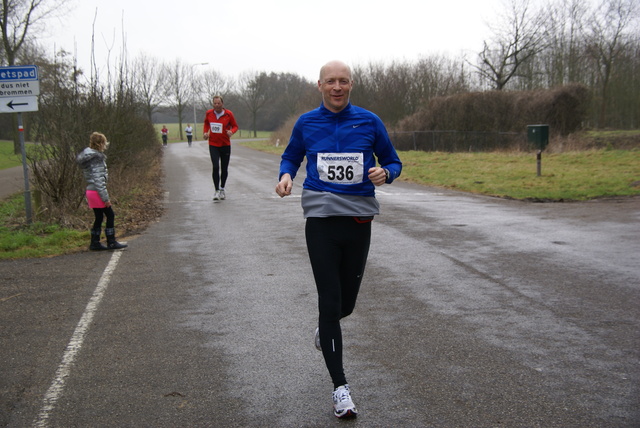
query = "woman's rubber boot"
x=112 y=244
x=95 y=241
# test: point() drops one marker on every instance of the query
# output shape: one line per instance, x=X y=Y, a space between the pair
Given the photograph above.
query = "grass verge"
x=36 y=240
x=572 y=176
x=569 y=176
x=7 y=158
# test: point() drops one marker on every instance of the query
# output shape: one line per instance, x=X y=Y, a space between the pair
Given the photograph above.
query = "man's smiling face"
x=335 y=85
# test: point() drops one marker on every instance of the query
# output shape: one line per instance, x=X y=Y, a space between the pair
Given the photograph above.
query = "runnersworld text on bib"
x=341 y=168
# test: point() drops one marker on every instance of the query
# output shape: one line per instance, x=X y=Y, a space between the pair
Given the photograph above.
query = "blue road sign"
x=19 y=88
x=19 y=73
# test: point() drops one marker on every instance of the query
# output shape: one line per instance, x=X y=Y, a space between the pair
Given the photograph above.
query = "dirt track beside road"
x=11 y=181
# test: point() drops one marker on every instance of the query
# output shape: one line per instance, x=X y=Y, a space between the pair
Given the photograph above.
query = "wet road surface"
x=474 y=312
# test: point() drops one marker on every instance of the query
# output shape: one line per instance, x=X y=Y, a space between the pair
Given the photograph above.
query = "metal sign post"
x=25 y=170
x=19 y=90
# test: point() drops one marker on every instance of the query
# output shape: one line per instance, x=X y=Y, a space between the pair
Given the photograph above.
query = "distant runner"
x=219 y=125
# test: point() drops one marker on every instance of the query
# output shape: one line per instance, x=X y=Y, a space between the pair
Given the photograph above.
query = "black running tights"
x=338 y=249
x=220 y=157
x=100 y=213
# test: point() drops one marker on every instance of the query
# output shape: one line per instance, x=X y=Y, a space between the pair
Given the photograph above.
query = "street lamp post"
x=193 y=101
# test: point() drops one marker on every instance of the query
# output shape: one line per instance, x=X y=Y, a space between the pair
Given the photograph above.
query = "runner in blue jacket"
x=343 y=145
x=352 y=130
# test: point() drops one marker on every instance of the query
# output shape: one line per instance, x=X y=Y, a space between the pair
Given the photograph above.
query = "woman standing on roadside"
x=93 y=162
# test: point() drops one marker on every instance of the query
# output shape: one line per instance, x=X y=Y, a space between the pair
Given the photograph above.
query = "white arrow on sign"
x=19 y=104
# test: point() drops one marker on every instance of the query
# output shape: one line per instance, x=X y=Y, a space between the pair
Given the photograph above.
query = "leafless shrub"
x=563 y=109
x=67 y=115
x=281 y=135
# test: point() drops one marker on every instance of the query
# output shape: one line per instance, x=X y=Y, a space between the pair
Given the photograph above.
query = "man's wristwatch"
x=386 y=172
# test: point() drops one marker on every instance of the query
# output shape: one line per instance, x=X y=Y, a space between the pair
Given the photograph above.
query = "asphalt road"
x=11 y=181
x=474 y=312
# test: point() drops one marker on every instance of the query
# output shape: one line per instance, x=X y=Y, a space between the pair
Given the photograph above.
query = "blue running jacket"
x=353 y=130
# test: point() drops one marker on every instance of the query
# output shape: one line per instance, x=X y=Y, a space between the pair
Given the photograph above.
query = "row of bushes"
x=494 y=120
x=486 y=121
x=564 y=109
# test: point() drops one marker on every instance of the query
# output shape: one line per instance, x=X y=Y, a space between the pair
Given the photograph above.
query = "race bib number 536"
x=342 y=168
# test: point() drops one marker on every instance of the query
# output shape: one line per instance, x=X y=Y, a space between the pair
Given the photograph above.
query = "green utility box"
x=538 y=135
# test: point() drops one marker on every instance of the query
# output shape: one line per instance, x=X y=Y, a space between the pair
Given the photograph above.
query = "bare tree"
x=18 y=18
x=179 y=88
x=384 y=89
x=563 y=59
x=399 y=89
x=289 y=95
x=437 y=76
x=209 y=84
x=516 y=40
x=608 y=40
x=149 y=83
x=253 y=91
x=205 y=86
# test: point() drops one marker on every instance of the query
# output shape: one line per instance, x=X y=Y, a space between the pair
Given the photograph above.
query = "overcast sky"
x=296 y=36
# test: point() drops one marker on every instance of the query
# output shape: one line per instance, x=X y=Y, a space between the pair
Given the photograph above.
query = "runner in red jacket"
x=219 y=125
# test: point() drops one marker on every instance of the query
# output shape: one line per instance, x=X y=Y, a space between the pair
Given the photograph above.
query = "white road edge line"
x=76 y=342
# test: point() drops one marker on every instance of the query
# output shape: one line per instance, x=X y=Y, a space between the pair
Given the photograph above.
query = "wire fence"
x=459 y=141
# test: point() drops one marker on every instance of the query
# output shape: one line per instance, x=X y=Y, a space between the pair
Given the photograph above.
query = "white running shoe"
x=216 y=196
x=343 y=406
x=222 y=195
x=317 y=339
